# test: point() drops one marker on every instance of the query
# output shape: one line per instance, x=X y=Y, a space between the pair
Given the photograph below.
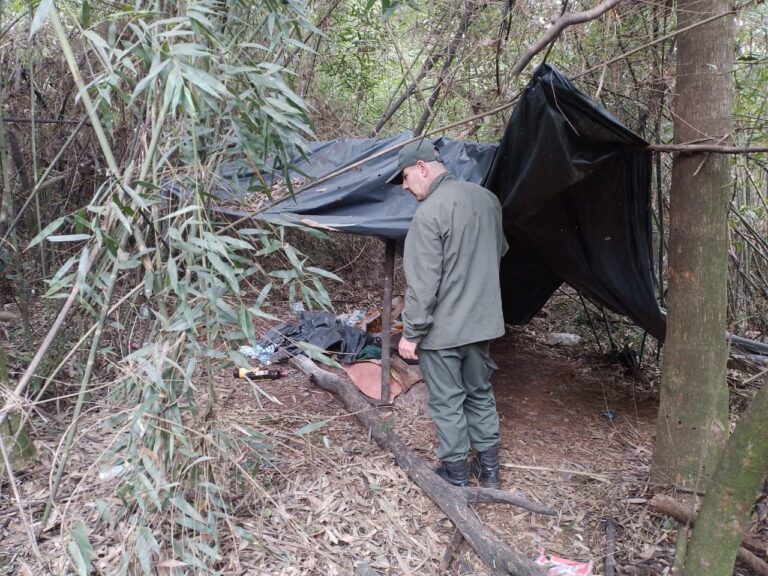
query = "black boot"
x=485 y=467
x=456 y=473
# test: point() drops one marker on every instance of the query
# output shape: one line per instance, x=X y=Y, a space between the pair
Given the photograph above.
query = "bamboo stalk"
x=69 y=56
x=19 y=503
x=386 y=317
x=75 y=348
x=42 y=183
x=83 y=390
x=156 y=133
x=33 y=143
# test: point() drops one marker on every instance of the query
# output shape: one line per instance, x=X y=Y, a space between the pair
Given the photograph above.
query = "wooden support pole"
x=386 y=317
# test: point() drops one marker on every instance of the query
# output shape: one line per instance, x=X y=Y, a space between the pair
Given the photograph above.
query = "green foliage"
x=182 y=87
x=205 y=82
x=80 y=549
x=358 y=37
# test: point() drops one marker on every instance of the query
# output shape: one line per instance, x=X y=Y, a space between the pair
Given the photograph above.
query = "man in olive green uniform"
x=453 y=308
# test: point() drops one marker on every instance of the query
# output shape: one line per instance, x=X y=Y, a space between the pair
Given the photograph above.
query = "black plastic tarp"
x=359 y=201
x=573 y=183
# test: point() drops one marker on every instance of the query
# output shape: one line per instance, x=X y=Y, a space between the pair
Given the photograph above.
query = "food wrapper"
x=557 y=566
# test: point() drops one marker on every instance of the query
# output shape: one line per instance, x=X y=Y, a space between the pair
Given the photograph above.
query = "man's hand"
x=407 y=349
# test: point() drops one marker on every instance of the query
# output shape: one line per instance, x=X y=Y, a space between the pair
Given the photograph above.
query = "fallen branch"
x=452 y=500
x=671 y=507
x=12 y=120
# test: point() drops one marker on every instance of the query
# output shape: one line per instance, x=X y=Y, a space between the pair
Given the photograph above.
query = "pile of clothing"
x=354 y=339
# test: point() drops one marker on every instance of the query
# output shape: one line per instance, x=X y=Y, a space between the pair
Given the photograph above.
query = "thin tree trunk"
x=725 y=512
x=693 y=415
x=466 y=20
x=10 y=427
x=395 y=106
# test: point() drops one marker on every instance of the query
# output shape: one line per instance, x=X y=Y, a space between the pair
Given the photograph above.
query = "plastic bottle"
x=249 y=374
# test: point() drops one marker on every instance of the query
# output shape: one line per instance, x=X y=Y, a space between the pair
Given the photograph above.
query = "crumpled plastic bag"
x=557 y=566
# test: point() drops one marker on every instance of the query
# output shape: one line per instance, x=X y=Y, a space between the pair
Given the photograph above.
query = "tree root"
x=452 y=500
x=671 y=507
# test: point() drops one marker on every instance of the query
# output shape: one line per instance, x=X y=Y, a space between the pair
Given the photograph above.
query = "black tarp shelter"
x=572 y=180
x=574 y=184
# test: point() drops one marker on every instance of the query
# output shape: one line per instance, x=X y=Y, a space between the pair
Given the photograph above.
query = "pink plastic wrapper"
x=557 y=566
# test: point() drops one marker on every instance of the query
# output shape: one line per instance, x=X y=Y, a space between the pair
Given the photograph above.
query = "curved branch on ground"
x=493 y=496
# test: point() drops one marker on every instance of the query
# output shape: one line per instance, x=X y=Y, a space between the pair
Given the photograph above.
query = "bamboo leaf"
x=317 y=353
x=85 y=14
x=322 y=294
x=204 y=81
x=284 y=275
x=186 y=508
x=259 y=313
x=193 y=524
x=207 y=550
x=225 y=270
x=105 y=512
x=69 y=238
x=181 y=212
x=263 y=294
x=80 y=549
x=47 y=231
x=173 y=274
x=157 y=67
x=293 y=257
x=145 y=549
x=41 y=15
x=309 y=428
x=323 y=273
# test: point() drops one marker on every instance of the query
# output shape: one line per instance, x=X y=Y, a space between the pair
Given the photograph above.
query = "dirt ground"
x=577 y=435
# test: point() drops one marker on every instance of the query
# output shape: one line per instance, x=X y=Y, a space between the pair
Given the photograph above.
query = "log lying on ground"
x=452 y=500
x=671 y=507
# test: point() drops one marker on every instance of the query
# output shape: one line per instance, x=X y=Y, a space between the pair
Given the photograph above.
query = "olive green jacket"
x=451 y=262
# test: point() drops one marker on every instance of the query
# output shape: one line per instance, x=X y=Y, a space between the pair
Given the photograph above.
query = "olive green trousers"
x=461 y=400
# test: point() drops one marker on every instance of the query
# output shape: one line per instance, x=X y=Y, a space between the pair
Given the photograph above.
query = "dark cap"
x=410 y=154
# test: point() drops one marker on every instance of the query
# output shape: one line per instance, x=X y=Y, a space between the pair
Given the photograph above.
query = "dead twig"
x=610 y=548
x=702 y=148
x=453 y=547
x=593 y=475
x=17 y=496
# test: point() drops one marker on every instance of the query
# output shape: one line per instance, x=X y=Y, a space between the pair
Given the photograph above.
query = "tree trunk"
x=693 y=415
x=725 y=512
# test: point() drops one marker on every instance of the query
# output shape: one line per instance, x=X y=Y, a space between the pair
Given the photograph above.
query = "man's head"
x=418 y=163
